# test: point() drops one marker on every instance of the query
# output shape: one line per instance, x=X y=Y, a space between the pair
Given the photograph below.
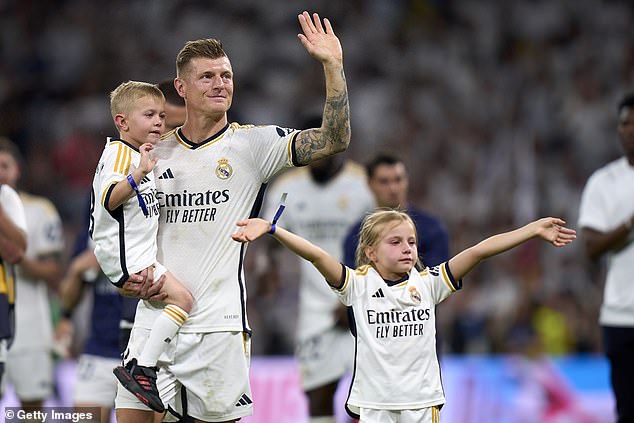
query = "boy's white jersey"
x=322 y=213
x=396 y=366
x=203 y=190
x=125 y=239
x=44 y=238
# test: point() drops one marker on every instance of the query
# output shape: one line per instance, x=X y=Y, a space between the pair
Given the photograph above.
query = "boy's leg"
x=179 y=303
x=139 y=375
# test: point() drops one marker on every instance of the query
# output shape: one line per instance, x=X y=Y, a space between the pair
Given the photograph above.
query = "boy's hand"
x=320 y=42
x=146 y=164
x=551 y=229
x=251 y=230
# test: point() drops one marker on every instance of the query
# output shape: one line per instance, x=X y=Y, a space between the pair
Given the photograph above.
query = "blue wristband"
x=278 y=213
x=138 y=195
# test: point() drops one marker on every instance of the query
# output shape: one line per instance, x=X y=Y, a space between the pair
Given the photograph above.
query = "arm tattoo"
x=334 y=134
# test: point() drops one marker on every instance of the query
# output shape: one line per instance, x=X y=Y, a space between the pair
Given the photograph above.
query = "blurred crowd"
x=500 y=109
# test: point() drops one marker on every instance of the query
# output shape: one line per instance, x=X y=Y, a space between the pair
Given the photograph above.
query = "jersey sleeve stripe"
x=291 y=150
x=105 y=197
x=449 y=279
x=345 y=278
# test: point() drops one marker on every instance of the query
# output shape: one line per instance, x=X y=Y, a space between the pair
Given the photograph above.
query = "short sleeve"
x=12 y=206
x=443 y=284
x=592 y=211
x=46 y=234
x=272 y=149
x=349 y=287
x=113 y=167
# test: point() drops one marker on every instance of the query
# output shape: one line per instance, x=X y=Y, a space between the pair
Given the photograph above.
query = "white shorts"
x=325 y=358
x=212 y=367
x=422 y=415
x=30 y=371
x=94 y=381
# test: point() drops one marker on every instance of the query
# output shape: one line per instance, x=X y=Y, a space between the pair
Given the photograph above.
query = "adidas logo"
x=244 y=400
x=434 y=270
x=167 y=174
x=378 y=294
x=144 y=180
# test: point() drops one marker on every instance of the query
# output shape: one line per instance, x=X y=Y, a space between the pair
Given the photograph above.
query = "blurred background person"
x=30 y=366
x=95 y=385
x=606 y=217
x=13 y=243
x=389 y=183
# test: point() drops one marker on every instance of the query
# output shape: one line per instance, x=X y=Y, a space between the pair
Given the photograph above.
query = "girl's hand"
x=251 y=229
x=551 y=229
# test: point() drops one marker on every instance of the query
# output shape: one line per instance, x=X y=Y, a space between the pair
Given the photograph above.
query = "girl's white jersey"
x=203 y=190
x=125 y=239
x=324 y=214
x=396 y=366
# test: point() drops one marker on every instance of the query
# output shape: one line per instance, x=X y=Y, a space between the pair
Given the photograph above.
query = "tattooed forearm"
x=334 y=134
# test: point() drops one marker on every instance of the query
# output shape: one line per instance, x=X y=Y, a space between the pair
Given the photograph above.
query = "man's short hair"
x=123 y=97
x=9 y=147
x=626 y=101
x=379 y=160
x=208 y=47
x=170 y=93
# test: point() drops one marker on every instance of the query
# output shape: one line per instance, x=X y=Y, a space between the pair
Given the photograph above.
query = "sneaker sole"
x=133 y=387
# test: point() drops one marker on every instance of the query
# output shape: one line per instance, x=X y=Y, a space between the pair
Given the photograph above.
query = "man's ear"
x=121 y=122
x=180 y=87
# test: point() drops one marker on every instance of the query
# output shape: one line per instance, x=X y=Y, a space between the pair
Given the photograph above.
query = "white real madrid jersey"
x=44 y=238
x=607 y=201
x=396 y=366
x=125 y=238
x=203 y=190
x=322 y=213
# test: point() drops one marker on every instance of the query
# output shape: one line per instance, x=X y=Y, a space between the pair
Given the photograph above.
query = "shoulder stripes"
x=123 y=159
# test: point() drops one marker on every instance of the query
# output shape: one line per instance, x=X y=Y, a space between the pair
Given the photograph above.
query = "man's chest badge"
x=224 y=169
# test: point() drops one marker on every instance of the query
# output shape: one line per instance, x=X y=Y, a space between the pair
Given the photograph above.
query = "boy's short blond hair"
x=123 y=97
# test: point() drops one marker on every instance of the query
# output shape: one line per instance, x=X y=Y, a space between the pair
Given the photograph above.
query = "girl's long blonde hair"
x=372 y=227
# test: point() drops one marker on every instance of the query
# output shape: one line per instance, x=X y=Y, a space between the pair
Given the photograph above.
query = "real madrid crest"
x=224 y=169
x=414 y=294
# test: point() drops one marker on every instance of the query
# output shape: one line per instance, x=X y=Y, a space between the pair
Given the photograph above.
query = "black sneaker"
x=141 y=381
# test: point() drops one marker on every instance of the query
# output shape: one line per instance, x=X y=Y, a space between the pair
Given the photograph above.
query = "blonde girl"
x=397 y=375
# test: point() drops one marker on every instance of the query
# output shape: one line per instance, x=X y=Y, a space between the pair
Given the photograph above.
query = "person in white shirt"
x=13 y=243
x=606 y=216
x=211 y=172
x=397 y=375
x=39 y=271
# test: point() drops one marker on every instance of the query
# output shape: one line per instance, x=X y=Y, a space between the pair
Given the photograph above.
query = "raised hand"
x=552 y=229
x=251 y=229
x=146 y=163
x=320 y=40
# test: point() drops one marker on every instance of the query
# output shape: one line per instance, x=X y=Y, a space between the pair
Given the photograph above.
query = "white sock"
x=163 y=330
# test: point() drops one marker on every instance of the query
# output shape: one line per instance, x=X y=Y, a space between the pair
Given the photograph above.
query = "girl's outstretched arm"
x=550 y=229
x=327 y=265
